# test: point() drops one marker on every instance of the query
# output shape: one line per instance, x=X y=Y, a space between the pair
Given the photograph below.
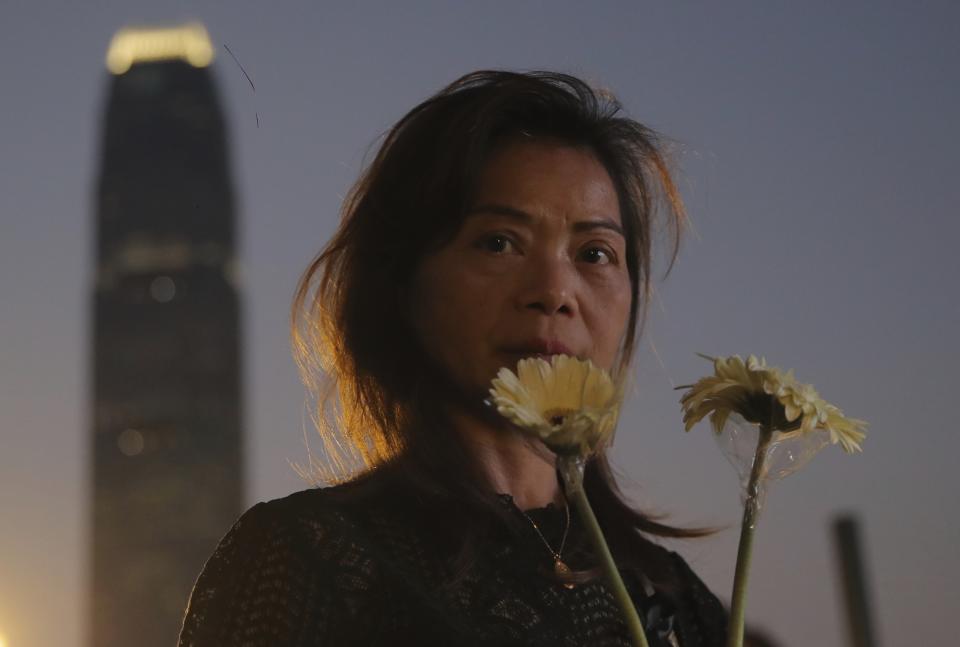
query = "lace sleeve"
x=269 y=582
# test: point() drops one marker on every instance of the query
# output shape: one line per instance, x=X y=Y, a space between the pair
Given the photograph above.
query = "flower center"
x=556 y=416
x=764 y=409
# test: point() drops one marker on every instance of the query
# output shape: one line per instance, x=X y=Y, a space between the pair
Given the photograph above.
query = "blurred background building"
x=167 y=430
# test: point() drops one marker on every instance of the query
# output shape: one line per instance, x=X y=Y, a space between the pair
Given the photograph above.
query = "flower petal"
x=587 y=396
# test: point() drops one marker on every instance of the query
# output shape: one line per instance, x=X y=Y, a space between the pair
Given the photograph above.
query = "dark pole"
x=847 y=537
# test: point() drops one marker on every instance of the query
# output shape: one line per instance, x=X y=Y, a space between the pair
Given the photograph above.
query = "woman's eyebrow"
x=524 y=217
x=590 y=225
x=501 y=210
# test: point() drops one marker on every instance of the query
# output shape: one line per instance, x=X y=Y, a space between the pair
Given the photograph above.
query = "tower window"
x=130 y=442
x=162 y=289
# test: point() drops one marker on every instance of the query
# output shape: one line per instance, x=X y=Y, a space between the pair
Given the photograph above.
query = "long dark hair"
x=352 y=339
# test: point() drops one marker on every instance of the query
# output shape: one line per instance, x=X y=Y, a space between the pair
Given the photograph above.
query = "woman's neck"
x=524 y=469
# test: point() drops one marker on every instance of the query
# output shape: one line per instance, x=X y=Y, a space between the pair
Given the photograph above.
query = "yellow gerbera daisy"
x=767 y=396
x=569 y=404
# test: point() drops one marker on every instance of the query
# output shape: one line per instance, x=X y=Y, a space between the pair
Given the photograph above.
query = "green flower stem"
x=751 y=512
x=571 y=468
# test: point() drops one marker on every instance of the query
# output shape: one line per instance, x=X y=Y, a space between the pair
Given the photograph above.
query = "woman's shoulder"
x=313 y=503
x=280 y=562
x=311 y=516
x=283 y=534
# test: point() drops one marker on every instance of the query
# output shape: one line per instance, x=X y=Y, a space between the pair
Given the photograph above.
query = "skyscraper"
x=166 y=429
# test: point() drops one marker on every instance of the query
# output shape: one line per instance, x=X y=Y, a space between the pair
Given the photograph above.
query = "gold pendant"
x=562 y=570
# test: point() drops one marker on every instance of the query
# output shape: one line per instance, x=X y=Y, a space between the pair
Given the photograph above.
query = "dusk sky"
x=816 y=144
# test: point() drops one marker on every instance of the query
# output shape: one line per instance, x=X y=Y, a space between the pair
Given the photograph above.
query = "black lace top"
x=304 y=571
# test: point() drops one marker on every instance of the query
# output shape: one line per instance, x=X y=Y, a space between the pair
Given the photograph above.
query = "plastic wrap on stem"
x=571 y=470
x=786 y=453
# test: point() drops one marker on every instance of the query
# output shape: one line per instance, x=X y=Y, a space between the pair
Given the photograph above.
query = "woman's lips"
x=542 y=349
x=522 y=355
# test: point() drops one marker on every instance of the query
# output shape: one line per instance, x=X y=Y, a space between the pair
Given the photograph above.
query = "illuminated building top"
x=132 y=45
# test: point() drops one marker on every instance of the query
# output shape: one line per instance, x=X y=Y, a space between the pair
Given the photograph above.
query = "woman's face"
x=537 y=268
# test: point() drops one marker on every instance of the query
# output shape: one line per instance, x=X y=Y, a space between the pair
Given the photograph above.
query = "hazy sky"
x=818 y=148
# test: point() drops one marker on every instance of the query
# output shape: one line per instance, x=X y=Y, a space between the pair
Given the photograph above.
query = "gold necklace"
x=560 y=569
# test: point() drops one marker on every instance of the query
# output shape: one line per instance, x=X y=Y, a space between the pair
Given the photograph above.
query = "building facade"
x=167 y=441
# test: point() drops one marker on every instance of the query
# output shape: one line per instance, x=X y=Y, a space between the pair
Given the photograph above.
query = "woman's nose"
x=548 y=287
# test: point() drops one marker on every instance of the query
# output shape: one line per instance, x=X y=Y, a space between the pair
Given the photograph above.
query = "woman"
x=509 y=216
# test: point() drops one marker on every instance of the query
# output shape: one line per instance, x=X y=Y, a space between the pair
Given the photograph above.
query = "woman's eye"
x=597 y=256
x=496 y=243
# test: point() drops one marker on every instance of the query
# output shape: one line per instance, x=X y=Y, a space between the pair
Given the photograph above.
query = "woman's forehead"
x=525 y=180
